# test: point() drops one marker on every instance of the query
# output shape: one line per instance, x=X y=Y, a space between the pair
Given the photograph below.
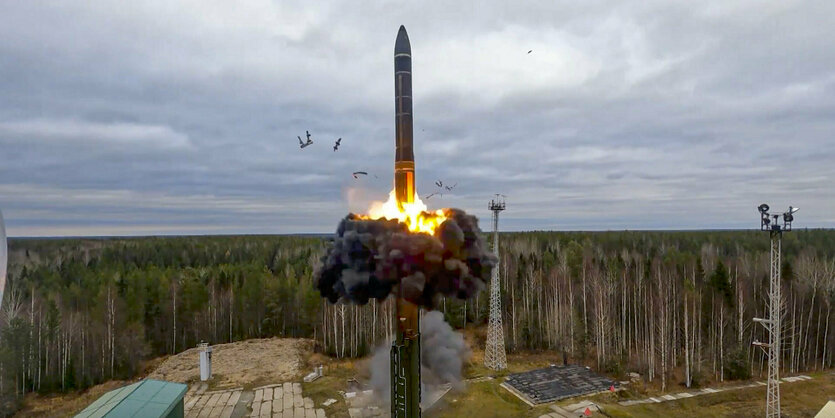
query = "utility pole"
x=773 y=323
x=494 y=354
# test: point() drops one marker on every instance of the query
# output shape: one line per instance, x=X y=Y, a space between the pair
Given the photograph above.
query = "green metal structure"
x=144 y=399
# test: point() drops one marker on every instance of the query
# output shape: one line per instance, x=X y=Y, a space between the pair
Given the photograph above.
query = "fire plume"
x=414 y=215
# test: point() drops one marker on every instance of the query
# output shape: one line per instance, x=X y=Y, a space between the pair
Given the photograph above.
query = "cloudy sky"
x=181 y=117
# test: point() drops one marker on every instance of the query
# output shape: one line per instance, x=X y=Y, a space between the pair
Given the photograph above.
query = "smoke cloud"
x=442 y=356
x=371 y=258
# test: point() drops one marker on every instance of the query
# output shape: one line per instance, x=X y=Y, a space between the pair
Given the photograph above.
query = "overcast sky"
x=181 y=117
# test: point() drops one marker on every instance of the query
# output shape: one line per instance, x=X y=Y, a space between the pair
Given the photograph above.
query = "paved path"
x=682 y=395
x=283 y=400
x=215 y=404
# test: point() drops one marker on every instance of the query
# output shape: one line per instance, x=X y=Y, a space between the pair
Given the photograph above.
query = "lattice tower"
x=494 y=354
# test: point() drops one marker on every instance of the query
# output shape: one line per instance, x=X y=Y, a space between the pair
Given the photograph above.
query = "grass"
x=798 y=399
x=488 y=399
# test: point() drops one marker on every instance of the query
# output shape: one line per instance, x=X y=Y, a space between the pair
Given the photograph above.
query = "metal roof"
x=146 y=398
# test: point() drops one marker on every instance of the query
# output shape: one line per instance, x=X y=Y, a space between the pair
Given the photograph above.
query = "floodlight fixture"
x=774 y=225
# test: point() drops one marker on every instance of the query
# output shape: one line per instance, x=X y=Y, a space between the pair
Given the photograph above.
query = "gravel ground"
x=242 y=363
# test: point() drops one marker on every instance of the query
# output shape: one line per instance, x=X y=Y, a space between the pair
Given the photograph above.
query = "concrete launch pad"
x=554 y=383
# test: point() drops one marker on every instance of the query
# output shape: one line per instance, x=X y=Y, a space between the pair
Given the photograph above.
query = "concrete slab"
x=191 y=402
x=224 y=397
x=298 y=412
x=298 y=401
x=278 y=393
x=308 y=403
x=559 y=412
x=227 y=412
x=309 y=413
x=259 y=395
x=669 y=397
x=205 y=412
x=268 y=394
x=233 y=399
x=297 y=388
x=287 y=401
x=655 y=400
x=684 y=395
x=216 y=411
x=320 y=413
x=266 y=408
x=256 y=409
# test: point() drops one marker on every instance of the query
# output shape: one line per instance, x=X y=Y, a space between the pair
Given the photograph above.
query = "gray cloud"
x=181 y=117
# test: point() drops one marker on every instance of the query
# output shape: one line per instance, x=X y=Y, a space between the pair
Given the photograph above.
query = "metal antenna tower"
x=494 y=354
x=773 y=322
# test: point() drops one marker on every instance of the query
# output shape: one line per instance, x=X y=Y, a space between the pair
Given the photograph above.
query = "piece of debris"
x=317 y=373
x=530 y=51
x=356 y=174
x=303 y=144
x=329 y=402
x=336 y=145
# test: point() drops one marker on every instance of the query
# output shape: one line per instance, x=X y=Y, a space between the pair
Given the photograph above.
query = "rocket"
x=405 y=349
x=404 y=156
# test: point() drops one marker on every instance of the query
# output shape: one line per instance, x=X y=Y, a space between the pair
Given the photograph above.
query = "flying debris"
x=439 y=183
x=336 y=145
x=356 y=174
x=432 y=194
x=303 y=144
x=449 y=188
x=530 y=51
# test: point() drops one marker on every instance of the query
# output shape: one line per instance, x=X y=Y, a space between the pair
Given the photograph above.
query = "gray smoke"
x=442 y=356
x=372 y=258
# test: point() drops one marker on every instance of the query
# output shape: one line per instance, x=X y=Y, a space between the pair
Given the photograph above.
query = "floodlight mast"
x=772 y=323
x=495 y=357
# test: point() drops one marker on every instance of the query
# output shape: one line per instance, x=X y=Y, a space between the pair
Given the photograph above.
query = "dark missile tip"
x=402 y=45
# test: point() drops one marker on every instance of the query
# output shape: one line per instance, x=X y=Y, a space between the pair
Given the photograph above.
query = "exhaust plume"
x=442 y=356
x=370 y=258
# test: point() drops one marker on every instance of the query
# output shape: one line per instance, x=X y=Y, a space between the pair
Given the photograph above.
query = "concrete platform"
x=555 y=383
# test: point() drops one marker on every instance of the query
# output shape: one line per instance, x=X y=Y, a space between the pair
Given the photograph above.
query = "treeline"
x=675 y=306
x=81 y=311
x=670 y=305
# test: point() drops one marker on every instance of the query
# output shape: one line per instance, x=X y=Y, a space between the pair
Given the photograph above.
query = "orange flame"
x=414 y=215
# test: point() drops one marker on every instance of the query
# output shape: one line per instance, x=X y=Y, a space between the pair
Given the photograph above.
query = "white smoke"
x=442 y=355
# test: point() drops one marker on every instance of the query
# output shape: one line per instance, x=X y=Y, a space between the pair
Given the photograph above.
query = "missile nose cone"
x=402 y=45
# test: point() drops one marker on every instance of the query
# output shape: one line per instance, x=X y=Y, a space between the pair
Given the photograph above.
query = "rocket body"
x=404 y=156
x=405 y=349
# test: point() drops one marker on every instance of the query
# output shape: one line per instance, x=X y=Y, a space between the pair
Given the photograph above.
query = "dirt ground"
x=240 y=364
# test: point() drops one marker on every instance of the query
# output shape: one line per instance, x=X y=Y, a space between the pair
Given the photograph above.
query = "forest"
x=676 y=307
